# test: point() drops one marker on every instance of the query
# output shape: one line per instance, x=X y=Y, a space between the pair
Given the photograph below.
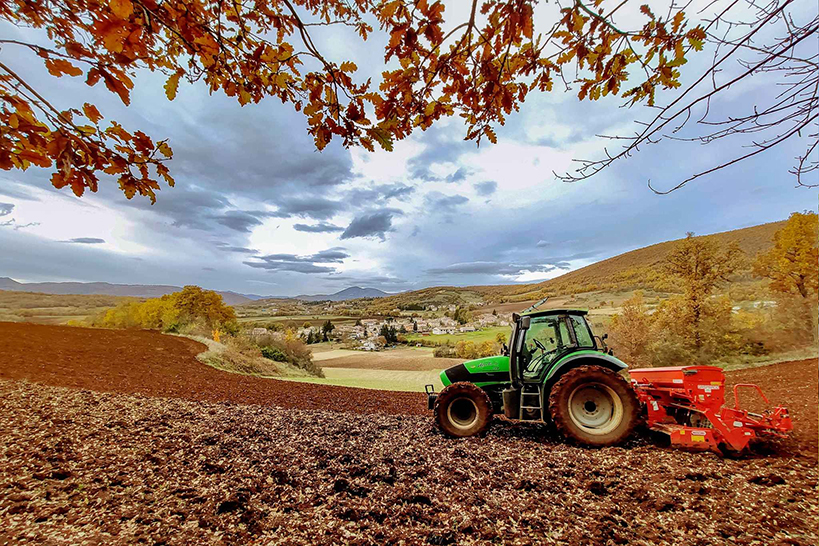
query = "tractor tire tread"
x=455 y=390
x=558 y=410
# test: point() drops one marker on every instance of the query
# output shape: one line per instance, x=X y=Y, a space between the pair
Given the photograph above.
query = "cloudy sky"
x=256 y=209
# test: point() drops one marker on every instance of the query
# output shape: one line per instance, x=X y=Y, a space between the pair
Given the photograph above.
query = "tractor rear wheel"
x=594 y=406
x=463 y=409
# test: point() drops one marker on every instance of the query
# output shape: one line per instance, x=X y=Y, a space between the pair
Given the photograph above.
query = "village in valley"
x=342 y=322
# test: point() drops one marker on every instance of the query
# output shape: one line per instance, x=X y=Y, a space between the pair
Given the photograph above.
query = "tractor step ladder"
x=530 y=401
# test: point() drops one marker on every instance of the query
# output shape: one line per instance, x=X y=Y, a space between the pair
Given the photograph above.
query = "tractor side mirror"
x=525 y=322
x=605 y=337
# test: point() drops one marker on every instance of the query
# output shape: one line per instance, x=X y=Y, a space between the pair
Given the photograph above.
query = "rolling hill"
x=636 y=269
x=351 y=293
x=106 y=289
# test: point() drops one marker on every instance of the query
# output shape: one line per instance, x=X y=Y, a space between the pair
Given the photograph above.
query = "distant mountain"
x=107 y=289
x=352 y=293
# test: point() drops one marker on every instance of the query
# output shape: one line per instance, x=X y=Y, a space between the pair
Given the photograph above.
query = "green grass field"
x=390 y=380
x=480 y=336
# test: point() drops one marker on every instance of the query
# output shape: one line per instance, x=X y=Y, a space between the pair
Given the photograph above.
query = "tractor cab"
x=541 y=339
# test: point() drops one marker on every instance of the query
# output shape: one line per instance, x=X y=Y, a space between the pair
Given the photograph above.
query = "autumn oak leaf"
x=91 y=112
x=58 y=67
x=171 y=86
x=165 y=150
x=121 y=8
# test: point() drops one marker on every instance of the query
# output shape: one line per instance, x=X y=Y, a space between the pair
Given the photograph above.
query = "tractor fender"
x=590 y=358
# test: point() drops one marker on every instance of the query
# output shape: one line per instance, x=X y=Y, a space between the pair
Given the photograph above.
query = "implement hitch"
x=686 y=403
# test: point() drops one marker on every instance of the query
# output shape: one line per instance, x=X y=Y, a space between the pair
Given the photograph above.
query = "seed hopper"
x=688 y=404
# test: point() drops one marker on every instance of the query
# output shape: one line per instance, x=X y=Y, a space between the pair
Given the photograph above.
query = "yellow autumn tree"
x=792 y=265
x=699 y=265
x=190 y=308
x=631 y=331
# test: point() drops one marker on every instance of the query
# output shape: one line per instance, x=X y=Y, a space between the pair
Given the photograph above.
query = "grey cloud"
x=335 y=255
x=208 y=269
x=296 y=267
x=440 y=149
x=189 y=207
x=16 y=192
x=459 y=175
x=225 y=247
x=368 y=280
x=321 y=227
x=6 y=208
x=12 y=223
x=485 y=188
x=86 y=240
x=438 y=202
x=300 y=264
x=241 y=220
x=372 y=225
x=318 y=208
x=493 y=268
x=380 y=193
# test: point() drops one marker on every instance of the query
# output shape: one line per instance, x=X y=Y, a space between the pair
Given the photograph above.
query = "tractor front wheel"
x=462 y=409
x=594 y=406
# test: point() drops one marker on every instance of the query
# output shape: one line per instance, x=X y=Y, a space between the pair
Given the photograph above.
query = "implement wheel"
x=594 y=406
x=462 y=409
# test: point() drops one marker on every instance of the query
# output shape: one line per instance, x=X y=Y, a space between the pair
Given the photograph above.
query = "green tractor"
x=554 y=370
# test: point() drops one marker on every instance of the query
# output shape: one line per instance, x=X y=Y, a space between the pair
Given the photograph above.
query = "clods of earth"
x=185 y=465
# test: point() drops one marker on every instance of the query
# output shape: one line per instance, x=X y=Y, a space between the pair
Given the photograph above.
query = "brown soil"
x=78 y=466
x=81 y=467
x=792 y=384
x=144 y=362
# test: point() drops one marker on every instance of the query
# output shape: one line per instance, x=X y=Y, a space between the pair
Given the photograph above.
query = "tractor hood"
x=481 y=371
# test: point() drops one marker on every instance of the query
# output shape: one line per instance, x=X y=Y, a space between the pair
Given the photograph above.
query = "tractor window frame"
x=574 y=321
x=554 y=324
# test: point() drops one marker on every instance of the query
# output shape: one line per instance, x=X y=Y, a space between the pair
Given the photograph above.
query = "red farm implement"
x=686 y=403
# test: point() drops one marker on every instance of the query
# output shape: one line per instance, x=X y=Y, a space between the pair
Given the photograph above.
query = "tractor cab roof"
x=546 y=312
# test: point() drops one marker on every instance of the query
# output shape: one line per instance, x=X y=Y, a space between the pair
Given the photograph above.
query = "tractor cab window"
x=545 y=338
x=581 y=331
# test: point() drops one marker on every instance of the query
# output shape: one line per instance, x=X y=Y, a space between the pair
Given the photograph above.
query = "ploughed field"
x=144 y=362
x=99 y=446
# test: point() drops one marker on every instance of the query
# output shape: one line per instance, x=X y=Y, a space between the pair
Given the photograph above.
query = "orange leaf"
x=93 y=77
x=58 y=67
x=116 y=86
x=121 y=8
x=165 y=150
x=91 y=112
x=171 y=86
x=348 y=66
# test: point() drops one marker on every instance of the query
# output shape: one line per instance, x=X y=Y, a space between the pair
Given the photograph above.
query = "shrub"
x=293 y=349
x=447 y=350
x=488 y=348
x=466 y=349
x=273 y=353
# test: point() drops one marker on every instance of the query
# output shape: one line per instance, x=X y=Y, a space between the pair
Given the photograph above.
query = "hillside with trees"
x=634 y=270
